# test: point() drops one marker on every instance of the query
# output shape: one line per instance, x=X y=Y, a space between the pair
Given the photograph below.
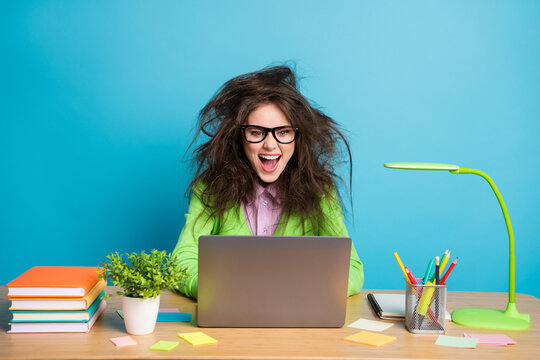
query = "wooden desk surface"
x=272 y=343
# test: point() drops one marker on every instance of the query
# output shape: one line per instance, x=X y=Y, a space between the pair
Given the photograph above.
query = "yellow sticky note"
x=197 y=338
x=370 y=338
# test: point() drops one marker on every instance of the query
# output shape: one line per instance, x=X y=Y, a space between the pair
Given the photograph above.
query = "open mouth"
x=269 y=163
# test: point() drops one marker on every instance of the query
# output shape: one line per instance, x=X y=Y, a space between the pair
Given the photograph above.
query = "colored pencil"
x=449 y=271
x=444 y=260
x=401 y=266
x=410 y=276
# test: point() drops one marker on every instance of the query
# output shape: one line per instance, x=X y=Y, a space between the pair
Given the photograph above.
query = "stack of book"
x=56 y=299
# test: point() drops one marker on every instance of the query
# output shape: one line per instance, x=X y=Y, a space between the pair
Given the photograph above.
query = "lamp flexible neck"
x=512 y=266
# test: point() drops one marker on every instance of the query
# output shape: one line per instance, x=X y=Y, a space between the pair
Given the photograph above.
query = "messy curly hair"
x=222 y=166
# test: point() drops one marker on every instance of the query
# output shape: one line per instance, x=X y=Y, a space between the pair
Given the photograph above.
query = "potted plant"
x=141 y=276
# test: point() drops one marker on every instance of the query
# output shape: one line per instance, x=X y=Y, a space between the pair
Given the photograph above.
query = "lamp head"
x=420 y=166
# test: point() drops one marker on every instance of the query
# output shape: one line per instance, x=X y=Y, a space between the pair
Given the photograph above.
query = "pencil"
x=444 y=260
x=449 y=271
x=410 y=276
x=401 y=265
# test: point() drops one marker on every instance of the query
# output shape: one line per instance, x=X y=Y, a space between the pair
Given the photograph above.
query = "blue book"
x=57 y=316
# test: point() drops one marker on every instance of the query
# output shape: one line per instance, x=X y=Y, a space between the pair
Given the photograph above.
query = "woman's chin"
x=268 y=177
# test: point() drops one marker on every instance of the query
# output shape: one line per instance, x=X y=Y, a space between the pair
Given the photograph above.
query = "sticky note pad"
x=164 y=345
x=197 y=338
x=370 y=338
x=167 y=316
x=123 y=341
x=366 y=324
x=492 y=339
x=456 y=341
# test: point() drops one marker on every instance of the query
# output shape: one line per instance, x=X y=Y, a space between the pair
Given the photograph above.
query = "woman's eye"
x=256 y=132
x=284 y=132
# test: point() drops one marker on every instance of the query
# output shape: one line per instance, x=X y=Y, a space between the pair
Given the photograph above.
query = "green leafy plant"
x=141 y=274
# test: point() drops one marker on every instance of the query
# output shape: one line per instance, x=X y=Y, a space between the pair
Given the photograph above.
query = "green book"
x=57 y=316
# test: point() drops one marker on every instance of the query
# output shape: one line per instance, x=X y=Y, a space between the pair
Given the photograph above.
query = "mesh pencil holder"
x=425 y=308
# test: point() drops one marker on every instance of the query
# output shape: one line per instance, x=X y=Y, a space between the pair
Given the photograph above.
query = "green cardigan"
x=234 y=223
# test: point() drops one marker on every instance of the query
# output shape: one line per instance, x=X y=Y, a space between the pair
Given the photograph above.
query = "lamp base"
x=509 y=319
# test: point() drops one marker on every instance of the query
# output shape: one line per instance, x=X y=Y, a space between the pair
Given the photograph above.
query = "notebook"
x=391 y=306
x=388 y=306
x=272 y=281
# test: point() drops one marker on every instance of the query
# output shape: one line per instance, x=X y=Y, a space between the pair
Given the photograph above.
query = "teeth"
x=269 y=157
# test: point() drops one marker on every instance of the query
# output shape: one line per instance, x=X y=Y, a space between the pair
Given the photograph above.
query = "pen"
x=449 y=271
x=436 y=270
x=428 y=271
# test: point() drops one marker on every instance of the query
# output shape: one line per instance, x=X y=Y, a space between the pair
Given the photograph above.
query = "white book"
x=62 y=303
x=46 y=291
x=56 y=316
x=57 y=327
x=49 y=304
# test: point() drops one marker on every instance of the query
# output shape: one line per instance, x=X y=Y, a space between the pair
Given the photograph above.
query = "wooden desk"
x=272 y=343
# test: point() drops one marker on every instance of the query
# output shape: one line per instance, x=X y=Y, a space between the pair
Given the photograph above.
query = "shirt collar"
x=270 y=189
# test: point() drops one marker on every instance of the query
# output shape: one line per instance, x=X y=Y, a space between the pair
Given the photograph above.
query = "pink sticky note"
x=123 y=341
x=169 y=310
x=492 y=339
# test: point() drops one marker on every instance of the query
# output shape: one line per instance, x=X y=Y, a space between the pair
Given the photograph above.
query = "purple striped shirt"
x=264 y=212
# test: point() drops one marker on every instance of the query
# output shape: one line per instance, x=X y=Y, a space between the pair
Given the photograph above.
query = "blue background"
x=99 y=100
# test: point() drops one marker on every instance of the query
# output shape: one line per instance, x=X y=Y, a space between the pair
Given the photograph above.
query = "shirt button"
x=264 y=231
x=265 y=202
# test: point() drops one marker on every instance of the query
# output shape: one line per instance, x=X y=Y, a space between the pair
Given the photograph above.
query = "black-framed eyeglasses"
x=282 y=134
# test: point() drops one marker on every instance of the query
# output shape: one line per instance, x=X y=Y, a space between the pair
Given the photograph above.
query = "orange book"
x=54 y=281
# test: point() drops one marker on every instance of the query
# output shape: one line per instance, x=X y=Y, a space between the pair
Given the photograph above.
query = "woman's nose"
x=269 y=142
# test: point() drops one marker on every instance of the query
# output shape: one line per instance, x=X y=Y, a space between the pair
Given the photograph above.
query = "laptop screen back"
x=272 y=281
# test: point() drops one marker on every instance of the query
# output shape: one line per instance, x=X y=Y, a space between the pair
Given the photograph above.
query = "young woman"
x=268 y=168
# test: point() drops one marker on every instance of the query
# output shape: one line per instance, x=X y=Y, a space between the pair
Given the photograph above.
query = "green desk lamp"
x=509 y=319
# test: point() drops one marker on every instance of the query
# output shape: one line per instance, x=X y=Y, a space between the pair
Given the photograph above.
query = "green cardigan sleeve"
x=333 y=225
x=187 y=248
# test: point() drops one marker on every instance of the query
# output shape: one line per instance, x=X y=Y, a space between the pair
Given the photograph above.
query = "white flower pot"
x=140 y=314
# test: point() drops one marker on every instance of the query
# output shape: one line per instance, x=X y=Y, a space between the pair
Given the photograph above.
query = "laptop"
x=272 y=281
